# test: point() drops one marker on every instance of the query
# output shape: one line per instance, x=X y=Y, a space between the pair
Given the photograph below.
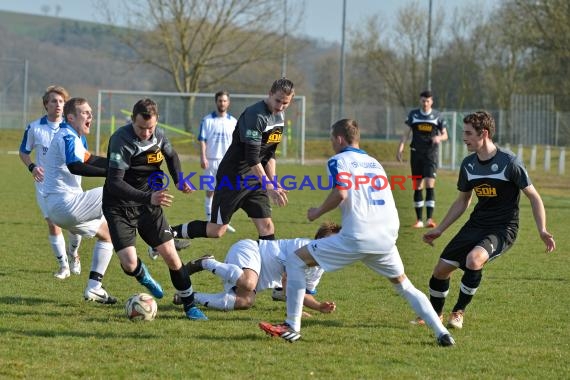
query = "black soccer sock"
x=181 y=281
x=191 y=230
x=267 y=237
x=138 y=273
x=438 y=290
x=96 y=276
x=430 y=202
x=469 y=283
x=418 y=203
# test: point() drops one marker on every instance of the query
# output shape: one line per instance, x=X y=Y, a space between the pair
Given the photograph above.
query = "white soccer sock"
x=228 y=272
x=184 y=231
x=218 y=301
x=296 y=285
x=58 y=246
x=208 y=207
x=102 y=254
x=74 y=241
x=421 y=305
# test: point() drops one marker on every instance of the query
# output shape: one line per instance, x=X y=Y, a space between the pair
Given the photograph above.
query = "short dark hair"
x=284 y=85
x=426 y=94
x=481 y=120
x=146 y=108
x=347 y=128
x=221 y=93
x=70 y=107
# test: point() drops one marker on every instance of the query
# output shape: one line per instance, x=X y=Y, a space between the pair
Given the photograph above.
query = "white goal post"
x=452 y=151
x=114 y=108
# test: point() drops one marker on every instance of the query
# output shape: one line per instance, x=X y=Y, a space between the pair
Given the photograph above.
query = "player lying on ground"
x=252 y=266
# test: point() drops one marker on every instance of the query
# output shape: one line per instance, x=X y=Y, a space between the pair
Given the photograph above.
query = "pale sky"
x=323 y=18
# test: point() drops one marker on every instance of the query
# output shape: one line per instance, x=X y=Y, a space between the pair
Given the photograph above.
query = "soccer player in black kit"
x=428 y=130
x=497 y=177
x=136 y=152
x=245 y=177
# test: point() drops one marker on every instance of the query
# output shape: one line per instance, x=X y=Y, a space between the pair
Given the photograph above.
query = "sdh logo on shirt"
x=485 y=190
x=153 y=158
x=425 y=127
x=275 y=137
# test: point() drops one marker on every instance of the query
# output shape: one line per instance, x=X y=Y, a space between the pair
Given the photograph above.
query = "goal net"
x=452 y=151
x=181 y=113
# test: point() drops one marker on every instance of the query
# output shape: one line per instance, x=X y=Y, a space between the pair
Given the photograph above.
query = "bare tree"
x=45 y=9
x=547 y=37
x=400 y=57
x=201 y=43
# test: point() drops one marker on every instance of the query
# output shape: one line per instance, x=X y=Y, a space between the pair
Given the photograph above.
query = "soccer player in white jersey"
x=370 y=229
x=497 y=177
x=37 y=137
x=215 y=137
x=67 y=204
x=252 y=266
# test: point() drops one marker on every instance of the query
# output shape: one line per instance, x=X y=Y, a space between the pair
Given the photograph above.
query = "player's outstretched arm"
x=455 y=211
x=324 y=307
x=335 y=197
x=539 y=217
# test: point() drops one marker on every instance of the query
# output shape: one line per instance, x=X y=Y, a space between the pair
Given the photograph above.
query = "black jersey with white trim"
x=258 y=128
x=497 y=183
x=139 y=159
x=424 y=127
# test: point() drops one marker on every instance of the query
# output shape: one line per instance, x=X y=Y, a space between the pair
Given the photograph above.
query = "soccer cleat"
x=195 y=314
x=445 y=340
x=150 y=283
x=176 y=299
x=281 y=330
x=153 y=253
x=99 y=295
x=75 y=264
x=231 y=229
x=455 y=320
x=179 y=244
x=196 y=266
x=430 y=223
x=420 y=322
x=418 y=224
x=62 y=273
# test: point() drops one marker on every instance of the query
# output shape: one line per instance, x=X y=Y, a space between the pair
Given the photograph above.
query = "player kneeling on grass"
x=252 y=266
x=497 y=177
x=370 y=229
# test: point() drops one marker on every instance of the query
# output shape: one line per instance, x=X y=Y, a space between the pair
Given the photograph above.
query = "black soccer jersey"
x=258 y=129
x=139 y=159
x=497 y=183
x=424 y=127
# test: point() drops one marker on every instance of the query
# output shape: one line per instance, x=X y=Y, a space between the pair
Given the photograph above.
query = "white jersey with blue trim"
x=216 y=131
x=37 y=137
x=66 y=147
x=369 y=215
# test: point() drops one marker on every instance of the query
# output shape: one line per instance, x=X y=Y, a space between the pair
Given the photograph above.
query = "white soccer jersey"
x=369 y=216
x=216 y=132
x=37 y=137
x=66 y=147
x=274 y=255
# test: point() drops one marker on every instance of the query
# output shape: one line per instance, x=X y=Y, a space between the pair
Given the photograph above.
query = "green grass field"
x=516 y=327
